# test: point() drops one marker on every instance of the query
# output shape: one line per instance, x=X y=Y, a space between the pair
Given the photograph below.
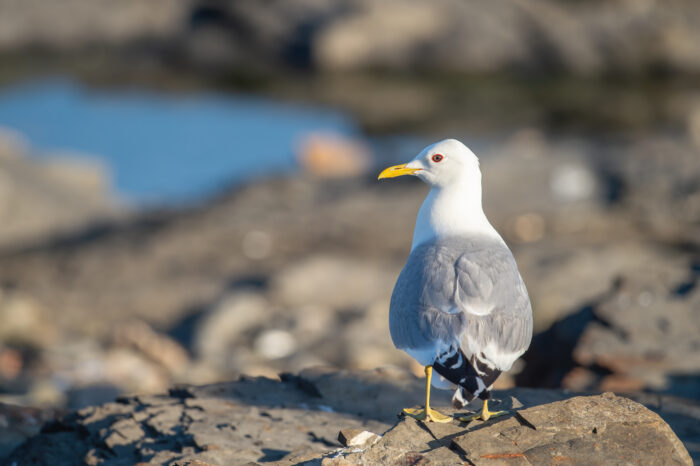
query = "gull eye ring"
x=437 y=158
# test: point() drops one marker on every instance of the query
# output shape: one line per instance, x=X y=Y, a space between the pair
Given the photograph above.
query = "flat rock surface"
x=599 y=429
x=296 y=420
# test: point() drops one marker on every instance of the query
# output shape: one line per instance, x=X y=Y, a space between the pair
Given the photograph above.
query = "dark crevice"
x=443 y=442
x=524 y=422
x=461 y=453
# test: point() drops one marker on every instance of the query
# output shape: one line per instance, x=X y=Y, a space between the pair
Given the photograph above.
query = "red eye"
x=437 y=158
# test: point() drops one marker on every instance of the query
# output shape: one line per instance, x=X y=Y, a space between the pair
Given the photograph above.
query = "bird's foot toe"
x=482 y=416
x=429 y=415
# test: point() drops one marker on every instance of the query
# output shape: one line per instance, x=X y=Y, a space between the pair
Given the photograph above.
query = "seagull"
x=459 y=305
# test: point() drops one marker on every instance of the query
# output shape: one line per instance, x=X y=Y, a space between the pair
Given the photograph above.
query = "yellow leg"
x=484 y=415
x=427 y=414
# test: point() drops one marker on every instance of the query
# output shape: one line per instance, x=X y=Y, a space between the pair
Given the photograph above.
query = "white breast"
x=452 y=211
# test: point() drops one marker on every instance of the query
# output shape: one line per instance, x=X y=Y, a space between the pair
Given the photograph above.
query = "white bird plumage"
x=453 y=206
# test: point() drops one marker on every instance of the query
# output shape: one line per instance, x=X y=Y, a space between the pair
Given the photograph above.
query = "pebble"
x=275 y=344
x=356 y=437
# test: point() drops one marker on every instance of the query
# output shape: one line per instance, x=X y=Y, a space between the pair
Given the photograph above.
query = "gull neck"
x=454 y=210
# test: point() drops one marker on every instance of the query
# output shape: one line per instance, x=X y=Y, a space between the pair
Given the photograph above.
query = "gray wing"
x=462 y=290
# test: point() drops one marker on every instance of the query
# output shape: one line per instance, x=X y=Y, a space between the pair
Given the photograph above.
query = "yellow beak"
x=397 y=170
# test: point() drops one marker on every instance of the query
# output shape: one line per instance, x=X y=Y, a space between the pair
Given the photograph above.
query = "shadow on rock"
x=305 y=417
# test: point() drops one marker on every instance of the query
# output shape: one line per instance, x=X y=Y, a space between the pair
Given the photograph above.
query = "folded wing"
x=461 y=302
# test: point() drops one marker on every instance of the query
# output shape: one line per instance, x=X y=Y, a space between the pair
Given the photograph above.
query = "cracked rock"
x=258 y=420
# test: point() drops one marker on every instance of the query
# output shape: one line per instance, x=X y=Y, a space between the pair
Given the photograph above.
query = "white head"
x=453 y=206
x=440 y=165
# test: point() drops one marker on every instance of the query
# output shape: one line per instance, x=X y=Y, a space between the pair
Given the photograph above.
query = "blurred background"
x=188 y=188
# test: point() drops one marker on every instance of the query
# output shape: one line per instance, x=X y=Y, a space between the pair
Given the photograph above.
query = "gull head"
x=442 y=164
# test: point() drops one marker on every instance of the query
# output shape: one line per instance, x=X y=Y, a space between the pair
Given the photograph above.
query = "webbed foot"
x=429 y=415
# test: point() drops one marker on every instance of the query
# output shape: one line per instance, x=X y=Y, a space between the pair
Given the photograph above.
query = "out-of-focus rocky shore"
x=42 y=198
x=98 y=300
x=287 y=273
x=541 y=36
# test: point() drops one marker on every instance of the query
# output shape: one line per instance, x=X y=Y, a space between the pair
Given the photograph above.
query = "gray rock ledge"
x=297 y=419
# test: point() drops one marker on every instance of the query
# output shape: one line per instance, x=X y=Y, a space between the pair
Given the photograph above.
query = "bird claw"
x=483 y=416
x=429 y=415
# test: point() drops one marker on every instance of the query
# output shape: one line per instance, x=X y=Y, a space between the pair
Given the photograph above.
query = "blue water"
x=165 y=148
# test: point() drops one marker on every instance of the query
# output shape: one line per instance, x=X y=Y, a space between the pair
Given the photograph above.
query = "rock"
x=18 y=423
x=573 y=182
x=640 y=334
x=249 y=420
x=644 y=332
x=11 y=363
x=315 y=280
x=39 y=199
x=590 y=420
x=297 y=419
x=581 y=430
x=257 y=244
x=658 y=180
x=461 y=36
x=94 y=23
x=332 y=156
x=274 y=344
x=449 y=35
x=408 y=442
x=233 y=315
x=123 y=433
x=85 y=373
x=24 y=321
x=357 y=437
x=586 y=272
x=156 y=346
